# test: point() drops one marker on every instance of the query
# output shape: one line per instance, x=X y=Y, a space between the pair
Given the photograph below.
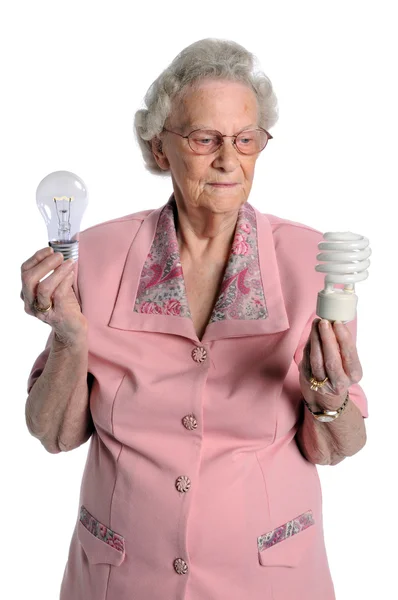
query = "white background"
x=73 y=73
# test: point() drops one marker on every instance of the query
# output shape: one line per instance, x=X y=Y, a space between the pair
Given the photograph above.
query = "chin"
x=224 y=205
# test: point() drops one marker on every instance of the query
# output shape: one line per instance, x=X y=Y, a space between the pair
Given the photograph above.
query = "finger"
x=36 y=258
x=332 y=359
x=306 y=361
x=38 y=269
x=58 y=296
x=46 y=288
x=62 y=289
x=348 y=351
x=35 y=268
x=316 y=354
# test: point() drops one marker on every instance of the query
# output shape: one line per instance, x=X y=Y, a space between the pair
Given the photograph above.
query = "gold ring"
x=40 y=309
x=315 y=384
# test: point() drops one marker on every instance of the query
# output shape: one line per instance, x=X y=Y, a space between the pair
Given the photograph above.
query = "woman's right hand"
x=65 y=317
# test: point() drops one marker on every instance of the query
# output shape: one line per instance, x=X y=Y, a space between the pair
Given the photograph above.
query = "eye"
x=245 y=139
x=205 y=140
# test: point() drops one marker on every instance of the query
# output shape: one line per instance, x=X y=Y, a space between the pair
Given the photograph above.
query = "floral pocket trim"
x=281 y=533
x=100 y=531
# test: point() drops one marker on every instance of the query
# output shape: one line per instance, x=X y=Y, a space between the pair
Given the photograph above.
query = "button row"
x=183 y=483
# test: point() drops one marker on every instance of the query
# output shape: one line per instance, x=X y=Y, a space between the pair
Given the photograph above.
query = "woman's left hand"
x=332 y=353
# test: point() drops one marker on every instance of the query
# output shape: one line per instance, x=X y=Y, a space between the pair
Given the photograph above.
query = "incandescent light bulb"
x=62 y=199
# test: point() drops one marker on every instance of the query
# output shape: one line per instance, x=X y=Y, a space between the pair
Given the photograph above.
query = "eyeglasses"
x=207 y=141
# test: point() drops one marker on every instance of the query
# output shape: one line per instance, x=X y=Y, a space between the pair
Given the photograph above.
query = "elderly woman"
x=186 y=345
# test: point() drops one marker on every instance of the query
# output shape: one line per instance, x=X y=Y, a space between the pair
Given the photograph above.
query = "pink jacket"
x=194 y=486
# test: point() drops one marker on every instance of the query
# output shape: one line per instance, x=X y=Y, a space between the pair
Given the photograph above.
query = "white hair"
x=209 y=58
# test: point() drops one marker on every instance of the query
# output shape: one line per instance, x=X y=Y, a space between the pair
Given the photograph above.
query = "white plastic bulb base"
x=338 y=305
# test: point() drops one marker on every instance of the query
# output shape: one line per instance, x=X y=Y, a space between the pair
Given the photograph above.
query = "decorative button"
x=190 y=422
x=183 y=483
x=199 y=354
x=180 y=566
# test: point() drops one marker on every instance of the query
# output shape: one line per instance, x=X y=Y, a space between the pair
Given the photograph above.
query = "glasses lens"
x=204 y=141
x=251 y=142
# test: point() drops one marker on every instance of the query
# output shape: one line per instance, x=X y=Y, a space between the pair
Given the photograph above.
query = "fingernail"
x=325 y=324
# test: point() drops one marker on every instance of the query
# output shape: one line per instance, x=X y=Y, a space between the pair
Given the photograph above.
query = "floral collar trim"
x=162 y=289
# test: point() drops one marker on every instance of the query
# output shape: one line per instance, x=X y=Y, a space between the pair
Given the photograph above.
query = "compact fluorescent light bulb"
x=346 y=256
x=62 y=199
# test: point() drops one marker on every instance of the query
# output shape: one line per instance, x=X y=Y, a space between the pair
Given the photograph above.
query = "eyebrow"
x=194 y=126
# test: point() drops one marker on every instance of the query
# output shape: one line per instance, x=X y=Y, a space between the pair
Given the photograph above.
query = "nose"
x=227 y=157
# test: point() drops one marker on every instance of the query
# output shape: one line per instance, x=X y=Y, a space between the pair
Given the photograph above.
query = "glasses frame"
x=187 y=137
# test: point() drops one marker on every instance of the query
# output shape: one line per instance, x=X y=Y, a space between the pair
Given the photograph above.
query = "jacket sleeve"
x=357 y=394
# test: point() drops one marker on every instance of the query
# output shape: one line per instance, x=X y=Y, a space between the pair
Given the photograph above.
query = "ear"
x=158 y=153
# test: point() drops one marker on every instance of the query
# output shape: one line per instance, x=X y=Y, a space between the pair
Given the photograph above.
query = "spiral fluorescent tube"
x=346 y=257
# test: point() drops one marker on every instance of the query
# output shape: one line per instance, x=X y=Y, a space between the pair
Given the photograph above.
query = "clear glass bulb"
x=62 y=199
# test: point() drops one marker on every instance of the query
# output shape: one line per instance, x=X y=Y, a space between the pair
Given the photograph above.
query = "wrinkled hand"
x=65 y=316
x=329 y=353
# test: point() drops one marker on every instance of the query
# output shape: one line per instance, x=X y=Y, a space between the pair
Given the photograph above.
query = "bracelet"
x=328 y=415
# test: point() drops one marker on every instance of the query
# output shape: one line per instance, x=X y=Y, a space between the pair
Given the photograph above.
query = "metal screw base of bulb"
x=67 y=249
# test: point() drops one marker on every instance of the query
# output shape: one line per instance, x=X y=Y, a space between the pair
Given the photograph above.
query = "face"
x=227 y=107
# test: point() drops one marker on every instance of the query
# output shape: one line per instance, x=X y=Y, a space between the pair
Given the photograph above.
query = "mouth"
x=223 y=184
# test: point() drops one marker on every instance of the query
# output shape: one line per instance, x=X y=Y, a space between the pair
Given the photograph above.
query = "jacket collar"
x=152 y=294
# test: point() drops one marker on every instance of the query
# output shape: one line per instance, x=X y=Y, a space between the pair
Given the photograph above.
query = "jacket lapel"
x=152 y=295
